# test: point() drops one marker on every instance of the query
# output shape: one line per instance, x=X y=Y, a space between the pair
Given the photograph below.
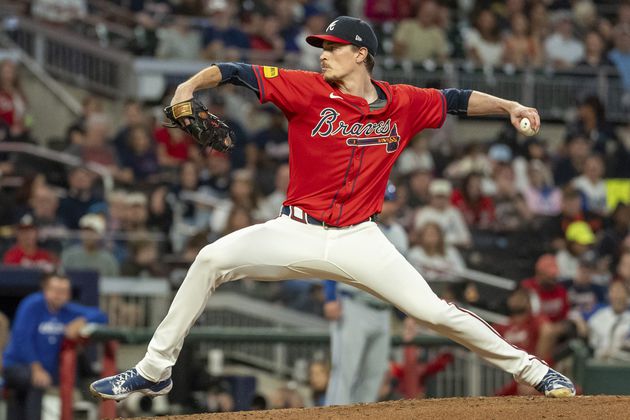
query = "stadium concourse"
x=523 y=408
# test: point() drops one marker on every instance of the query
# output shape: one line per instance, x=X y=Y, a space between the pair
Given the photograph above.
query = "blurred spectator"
x=432 y=256
x=31 y=359
x=555 y=227
x=223 y=39
x=144 y=260
x=270 y=206
x=622 y=273
x=541 y=196
x=59 y=11
x=137 y=212
x=79 y=198
x=539 y=21
x=4 y=337
x=474 y=159
x=286 y=396
x=243 y=194
x=572 y=165
x=511 y=210
x=609 y=327
x=318 y=374
x=133 y=116
x=44 y=204
x=580 y=239
x=160 y=210
x=522 y=48
x=593 y=125
x=265 y=34
x=477 y=208
x=595 y=52
x=620 y=55
x=272 y=142
x=440 y=211
x=523 y=328
x=613 y=236
x=584 y=296
x=238 y=155
x=483 y=42
x=174 y=146
x=145 y=39
x=416 y=156
x=75 y=134
x=91 y=254
x=13 y=103
x=418 y=184
x=315 y=20
x=562 y=48
x=26 y=252
x=178 y=41
x=421 y=39
x=141 y=157
x=238 y=218
x=549 y=298
x=592 y=186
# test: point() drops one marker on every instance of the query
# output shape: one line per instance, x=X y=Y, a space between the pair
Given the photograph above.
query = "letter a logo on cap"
x=332 y=26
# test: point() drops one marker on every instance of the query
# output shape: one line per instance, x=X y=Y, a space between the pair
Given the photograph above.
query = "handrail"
x=36 y=69
x=60 y=157
x=455 y=274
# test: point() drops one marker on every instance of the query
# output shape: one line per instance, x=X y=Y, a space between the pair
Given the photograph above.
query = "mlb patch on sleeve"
x=270 y=72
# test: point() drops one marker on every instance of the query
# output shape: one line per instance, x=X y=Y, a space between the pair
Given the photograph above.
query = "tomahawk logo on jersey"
x=341 y=152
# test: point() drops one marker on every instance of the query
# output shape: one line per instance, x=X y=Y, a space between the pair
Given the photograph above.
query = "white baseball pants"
x=360 y=255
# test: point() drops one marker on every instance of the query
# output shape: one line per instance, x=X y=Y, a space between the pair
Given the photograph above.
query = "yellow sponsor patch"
x=270 y=72
x=182 y=110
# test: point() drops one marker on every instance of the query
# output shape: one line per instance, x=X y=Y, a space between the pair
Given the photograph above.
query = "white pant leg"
x=366 y=254
x=276 y=250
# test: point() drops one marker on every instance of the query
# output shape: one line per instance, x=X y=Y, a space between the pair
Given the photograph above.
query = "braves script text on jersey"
x=341 y=153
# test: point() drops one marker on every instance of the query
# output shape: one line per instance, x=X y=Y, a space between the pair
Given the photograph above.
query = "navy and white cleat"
x=556 y=385
x=119 y=387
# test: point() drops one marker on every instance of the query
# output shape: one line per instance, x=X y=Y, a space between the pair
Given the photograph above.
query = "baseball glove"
x=193 y=117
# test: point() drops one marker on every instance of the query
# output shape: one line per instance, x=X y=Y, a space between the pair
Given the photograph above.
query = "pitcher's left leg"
x=373 y=261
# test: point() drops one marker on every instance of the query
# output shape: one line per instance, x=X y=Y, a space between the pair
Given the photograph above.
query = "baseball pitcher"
x=346 y=130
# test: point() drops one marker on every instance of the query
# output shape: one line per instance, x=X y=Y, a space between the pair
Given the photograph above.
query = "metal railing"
x=64 y=158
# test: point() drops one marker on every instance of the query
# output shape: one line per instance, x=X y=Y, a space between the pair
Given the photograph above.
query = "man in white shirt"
x=609 y=327
x=562 y=48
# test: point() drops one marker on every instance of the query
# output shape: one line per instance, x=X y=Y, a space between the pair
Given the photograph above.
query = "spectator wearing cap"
x=609 y=327
x=549 y=298
x=562 y=48
x=555 y=227
x=541 y=196
x=440 y=211
x=580 y=239
x=585 y=297
x=474 y=205
x=592 y=186
x=31 y=359
x=26 y=252
x=91 y=253
x=420 y=39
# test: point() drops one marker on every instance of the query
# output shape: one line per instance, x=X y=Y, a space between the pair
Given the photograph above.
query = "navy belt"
x=300 y=215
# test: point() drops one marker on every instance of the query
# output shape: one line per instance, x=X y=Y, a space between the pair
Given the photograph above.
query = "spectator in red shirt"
x=524 y=330
x=26 y=252
x=12 y=102
x=550 y=299
x=477 y=209
x=174 y=146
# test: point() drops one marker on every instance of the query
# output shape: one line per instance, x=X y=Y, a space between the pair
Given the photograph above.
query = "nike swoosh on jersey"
x=333 y=96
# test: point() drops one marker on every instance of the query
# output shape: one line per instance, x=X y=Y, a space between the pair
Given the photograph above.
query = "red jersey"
x=340 y=152
x=40 y=258
x=480 y=214
x=523 y=335
x=554 y=302
x=177 y=149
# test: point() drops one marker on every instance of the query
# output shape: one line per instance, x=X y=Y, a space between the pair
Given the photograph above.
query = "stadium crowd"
x=541 y=210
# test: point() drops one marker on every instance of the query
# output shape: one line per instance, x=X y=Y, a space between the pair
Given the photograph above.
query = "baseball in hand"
x=526 y=127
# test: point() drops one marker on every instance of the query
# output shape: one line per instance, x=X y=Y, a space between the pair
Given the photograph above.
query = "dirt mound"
x=482 y=408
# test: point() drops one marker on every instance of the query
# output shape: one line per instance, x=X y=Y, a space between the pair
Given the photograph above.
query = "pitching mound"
x=507 y=408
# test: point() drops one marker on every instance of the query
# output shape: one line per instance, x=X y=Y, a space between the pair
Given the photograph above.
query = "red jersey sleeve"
x=428 y=108
x=289 y=90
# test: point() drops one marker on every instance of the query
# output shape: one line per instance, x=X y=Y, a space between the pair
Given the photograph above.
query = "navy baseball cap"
x=347 y=30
